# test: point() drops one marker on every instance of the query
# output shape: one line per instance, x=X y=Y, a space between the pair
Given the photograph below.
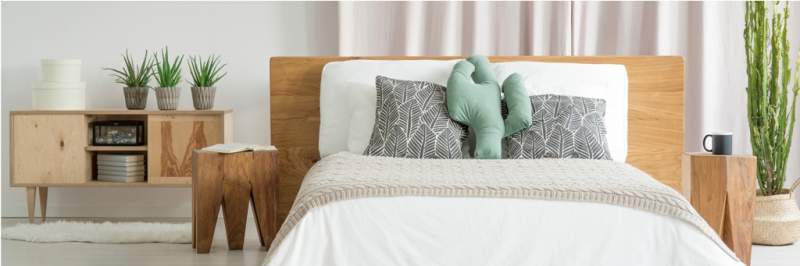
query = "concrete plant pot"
x=136 y=97
x=203 y=97
x=167 y=98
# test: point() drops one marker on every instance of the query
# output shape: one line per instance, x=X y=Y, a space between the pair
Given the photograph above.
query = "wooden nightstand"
x=722 y=189
x=233 y=180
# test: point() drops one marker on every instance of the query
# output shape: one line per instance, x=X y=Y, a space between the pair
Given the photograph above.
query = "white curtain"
x=454 y=28
x=707 y=34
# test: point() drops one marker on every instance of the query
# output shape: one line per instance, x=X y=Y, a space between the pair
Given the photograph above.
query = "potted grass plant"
x=168 y=75
x=205 y=75
x=771 y=105
x=135 y=78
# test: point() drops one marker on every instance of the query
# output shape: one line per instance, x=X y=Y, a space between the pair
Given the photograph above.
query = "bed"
x=412 y=227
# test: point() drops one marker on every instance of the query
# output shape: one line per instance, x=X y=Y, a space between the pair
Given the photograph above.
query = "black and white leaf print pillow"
x=411 y=121
x=563 y=127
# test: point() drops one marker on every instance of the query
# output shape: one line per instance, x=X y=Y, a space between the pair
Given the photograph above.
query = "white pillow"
x=363 y=104
x=346 y=120
x=603 y=81
x=335 y=111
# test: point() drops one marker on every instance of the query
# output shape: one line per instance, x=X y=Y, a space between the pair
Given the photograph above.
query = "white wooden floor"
x=83 y=254
x=776 y=256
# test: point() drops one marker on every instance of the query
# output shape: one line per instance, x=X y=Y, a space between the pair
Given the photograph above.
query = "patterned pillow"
x=411 y=121
x=563 y=127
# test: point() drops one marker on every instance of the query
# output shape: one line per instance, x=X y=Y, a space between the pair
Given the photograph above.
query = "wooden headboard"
x=655 y=113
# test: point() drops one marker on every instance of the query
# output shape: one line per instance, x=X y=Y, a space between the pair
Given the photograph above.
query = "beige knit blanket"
x=345 y=176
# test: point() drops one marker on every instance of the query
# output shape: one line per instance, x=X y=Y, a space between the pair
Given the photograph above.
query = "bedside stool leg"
x=265 y=196
x=43 y=202
x=207 y=172
x=234 y=208
x=737 y=231
x=194 y=206
x=739 y=209
x=236 y=195
x=261 y=210
x=31 y=202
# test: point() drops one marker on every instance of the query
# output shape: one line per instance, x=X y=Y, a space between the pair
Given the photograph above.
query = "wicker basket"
x=777 y=220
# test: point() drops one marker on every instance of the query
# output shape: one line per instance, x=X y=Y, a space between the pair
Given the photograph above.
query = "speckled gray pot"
x=136 y=97
x=167 y=98
x=203 y=97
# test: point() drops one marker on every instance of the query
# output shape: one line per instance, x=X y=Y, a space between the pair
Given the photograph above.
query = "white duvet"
x=489 y=231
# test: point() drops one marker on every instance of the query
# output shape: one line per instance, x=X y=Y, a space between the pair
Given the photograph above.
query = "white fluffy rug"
x=107 y=232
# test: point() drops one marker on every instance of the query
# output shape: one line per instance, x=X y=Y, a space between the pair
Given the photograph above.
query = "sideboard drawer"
x=49 y=149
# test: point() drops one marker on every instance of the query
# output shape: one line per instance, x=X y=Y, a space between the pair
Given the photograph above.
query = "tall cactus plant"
x=769 y=91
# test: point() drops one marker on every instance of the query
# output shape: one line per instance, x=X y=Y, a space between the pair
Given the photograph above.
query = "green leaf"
x=771 y=117
x=167 y=72
x=205 y=72
x=130 y=74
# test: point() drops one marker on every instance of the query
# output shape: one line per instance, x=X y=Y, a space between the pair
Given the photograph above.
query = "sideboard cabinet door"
x=171 y=140
x=49 y=149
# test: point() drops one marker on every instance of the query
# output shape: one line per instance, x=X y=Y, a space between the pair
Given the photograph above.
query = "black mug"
x=721 y=143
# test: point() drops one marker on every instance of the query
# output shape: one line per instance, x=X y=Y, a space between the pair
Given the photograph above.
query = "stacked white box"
x=60 y=87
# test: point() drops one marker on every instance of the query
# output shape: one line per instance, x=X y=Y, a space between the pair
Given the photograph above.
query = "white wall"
x=244 y=34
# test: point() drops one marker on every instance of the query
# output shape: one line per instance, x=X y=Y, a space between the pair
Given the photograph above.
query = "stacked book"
x=124 y=168
x=228 y=148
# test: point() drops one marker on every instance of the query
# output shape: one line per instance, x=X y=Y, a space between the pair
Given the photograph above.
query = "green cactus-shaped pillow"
x=474 y=99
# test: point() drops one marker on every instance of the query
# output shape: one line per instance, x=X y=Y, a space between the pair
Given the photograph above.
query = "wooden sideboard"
x=53 y=148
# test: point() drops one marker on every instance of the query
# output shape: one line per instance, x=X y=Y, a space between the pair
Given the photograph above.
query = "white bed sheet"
x=489 y=231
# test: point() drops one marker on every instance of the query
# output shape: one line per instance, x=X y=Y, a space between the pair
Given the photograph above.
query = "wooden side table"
x=232 y=181
x=722 y=189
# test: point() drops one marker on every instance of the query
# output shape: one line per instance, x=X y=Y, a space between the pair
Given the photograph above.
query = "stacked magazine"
x=124 y=168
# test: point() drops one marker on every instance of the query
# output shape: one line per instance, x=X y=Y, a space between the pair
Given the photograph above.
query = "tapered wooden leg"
x=259 y=229
x=31 y=202
x=740 y=208
x=43 y=202
x=265 y=195
x=207 y=174
x=194 y=205
x=236 y=196
x=708 y=179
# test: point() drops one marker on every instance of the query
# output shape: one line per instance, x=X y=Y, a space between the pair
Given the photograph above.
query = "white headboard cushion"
x=340 y=80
